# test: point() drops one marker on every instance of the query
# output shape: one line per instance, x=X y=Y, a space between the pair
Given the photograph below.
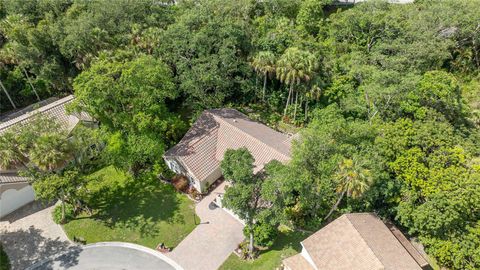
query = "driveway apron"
x=212 y=241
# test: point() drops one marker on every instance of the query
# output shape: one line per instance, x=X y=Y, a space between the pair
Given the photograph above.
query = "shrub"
x=180 y=182
x=4 y=261
x=193 y=193
x=57 y=213
x=264 y=234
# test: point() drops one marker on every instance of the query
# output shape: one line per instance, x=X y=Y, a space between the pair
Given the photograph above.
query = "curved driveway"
x=109 y=255
x=212 y=241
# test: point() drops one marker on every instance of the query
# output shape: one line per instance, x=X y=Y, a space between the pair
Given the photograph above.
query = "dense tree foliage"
x=129 y=98
x=50 y=157
x=388 y=97
x=244 y=196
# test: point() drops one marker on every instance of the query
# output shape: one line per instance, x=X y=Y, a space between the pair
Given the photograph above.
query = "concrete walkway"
x=29 y=235
x=211 y=242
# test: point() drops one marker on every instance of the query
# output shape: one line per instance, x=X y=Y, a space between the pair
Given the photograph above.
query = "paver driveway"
x=211 y=242
x=29 y=235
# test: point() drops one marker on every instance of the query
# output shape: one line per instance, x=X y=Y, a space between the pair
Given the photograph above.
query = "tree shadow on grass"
x=137 y=204
x=287 y=240
x=26 y=247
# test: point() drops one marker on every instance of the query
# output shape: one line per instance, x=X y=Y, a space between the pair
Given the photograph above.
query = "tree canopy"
x=386 y=94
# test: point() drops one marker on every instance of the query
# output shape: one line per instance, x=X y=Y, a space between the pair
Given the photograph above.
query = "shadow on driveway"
x=25 y=247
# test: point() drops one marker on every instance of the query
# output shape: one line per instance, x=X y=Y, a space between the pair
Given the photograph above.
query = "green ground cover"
x=4 y=261
x=286 y=245
x=144 y=212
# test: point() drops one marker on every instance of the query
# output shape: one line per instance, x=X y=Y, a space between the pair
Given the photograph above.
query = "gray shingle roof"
x=215 y=131
x=11 y=177
x=358 y=241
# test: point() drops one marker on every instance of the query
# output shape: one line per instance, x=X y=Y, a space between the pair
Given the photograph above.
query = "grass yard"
x=286 y=245
x=144 y=212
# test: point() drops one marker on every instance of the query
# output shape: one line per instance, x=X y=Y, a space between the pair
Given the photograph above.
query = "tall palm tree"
x=29 y=82
x=10 y=56
x=264 y=64
x=353 y=180
x=293 y=67
x=8 y=95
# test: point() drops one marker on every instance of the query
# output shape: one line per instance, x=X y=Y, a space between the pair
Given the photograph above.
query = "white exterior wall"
x=307 y=256
x=11 y=199
x=178 y=168
x=210 y=179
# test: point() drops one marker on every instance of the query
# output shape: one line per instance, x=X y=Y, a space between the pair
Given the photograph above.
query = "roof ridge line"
x=198 y=140
x=224 y=121
x=42 y=109
x=363 y=240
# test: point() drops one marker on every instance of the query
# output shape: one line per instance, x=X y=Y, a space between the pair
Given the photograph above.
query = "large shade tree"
x=243 y=197
x=130 y=98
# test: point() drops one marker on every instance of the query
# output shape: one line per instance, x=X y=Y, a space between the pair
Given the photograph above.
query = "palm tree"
x=8 y=95
x=353 y=180
x=10 y=154
x=264 y=64
x=50 y=151
x=31 y=85
x=293 y=67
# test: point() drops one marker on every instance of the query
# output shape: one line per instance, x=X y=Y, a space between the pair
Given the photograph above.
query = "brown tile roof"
x=358 y=241
x=297 y=262
x=54 y=110
x=215 y=131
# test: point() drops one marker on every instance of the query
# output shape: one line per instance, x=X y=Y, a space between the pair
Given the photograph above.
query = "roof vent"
x=235 y=120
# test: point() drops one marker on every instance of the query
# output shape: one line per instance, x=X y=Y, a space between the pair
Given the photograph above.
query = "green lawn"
x=144 y=212
x=4 y=262
x=286 y=245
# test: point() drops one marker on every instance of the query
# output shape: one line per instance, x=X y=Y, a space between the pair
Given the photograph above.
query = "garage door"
x=12 y=199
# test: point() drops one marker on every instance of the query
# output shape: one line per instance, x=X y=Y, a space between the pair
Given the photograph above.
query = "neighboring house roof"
x=358 y=241
x=52 y=108
x=55 y=110
x=297 y=262
x=11 y=177
x=203 y=146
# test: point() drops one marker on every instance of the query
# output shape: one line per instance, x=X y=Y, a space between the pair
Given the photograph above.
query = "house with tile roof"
x=15 y=190
x=357 y=241
x=199 y=154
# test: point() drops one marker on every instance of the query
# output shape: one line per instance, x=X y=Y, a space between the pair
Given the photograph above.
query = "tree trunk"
x=250 y=245
x=31 y=85
x=264 y=86
x=256 y=89
x=295 y=109
x=63 y=212
x=288 y=99
x=8 y=95
x=306 y=110
x=335 y=205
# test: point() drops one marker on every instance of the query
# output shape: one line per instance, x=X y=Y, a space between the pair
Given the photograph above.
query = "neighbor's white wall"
x=12 y=199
